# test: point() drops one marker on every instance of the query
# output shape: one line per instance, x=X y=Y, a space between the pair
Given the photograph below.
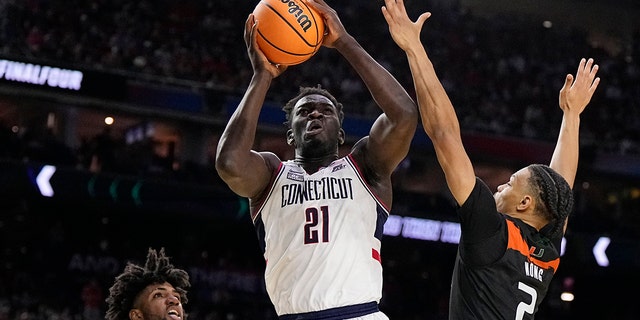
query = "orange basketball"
x=289 y=31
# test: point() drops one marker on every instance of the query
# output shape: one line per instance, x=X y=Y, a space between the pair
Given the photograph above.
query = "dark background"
x=171 y=73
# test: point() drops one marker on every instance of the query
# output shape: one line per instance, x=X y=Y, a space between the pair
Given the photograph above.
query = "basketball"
x=289 y=31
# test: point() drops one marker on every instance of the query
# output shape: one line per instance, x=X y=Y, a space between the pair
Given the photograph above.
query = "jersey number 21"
x=317 y=225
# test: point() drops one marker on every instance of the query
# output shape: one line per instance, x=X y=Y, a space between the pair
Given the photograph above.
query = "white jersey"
x=320 y=234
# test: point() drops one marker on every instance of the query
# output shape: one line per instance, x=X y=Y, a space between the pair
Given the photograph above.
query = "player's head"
x=539 y=190
x=314 y=118
x=554 y=193
x=153 y=291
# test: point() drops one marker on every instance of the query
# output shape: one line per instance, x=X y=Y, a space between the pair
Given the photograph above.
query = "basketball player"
x=319 y=217
x=155 y=291
x=510 y=244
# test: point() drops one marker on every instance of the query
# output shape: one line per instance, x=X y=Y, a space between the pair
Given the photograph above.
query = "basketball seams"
x=315 y=25
x=293 y=27
x=290 y=31
x=275 y=46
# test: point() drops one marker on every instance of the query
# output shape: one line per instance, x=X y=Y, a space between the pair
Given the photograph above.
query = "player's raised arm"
x=439 y=118
x=575 y=95
x=245 y=171
x=391 y=134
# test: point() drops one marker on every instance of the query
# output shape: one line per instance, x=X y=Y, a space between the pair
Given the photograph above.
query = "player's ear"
x=525 y=202
x=135 y=314
x=290 y=140
x=341 y=137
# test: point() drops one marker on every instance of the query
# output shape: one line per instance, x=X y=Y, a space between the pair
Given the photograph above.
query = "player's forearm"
x=566 y=153
x=238 y=137
x=441 y=125
x=436 y=110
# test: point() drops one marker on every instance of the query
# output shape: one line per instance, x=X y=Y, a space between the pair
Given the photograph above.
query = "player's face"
x=511 y=193
x=158 y=302
x=315 y=123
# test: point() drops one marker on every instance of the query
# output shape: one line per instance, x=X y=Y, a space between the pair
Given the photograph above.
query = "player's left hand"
x=334 y=29
x=576 y=92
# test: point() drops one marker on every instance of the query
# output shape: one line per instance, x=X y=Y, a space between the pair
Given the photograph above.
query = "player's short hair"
x=305 y=91
x=157 y=269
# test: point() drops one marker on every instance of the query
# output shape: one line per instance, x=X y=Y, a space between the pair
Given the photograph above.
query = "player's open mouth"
x=314 y=127
x=174 y=314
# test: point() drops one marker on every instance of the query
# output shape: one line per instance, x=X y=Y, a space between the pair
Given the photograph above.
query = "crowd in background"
x=502 y=74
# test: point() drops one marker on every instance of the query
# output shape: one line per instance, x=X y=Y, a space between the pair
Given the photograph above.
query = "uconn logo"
x=295 y=10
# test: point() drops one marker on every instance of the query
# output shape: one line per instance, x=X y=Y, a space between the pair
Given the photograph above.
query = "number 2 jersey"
x=320 y=234
x=503 y=266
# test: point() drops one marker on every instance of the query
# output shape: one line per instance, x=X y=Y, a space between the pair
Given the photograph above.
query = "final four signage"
x=41 y=75
x=47 y=77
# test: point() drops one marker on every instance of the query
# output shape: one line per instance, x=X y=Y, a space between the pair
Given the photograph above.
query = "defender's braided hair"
x=135 y=278
x=305 y=91
x=555 y=193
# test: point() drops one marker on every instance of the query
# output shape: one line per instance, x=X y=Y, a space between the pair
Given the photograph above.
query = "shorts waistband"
x=339 y=313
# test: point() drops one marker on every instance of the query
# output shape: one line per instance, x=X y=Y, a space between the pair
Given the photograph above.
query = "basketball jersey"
x=320 y=234
x=504 y=266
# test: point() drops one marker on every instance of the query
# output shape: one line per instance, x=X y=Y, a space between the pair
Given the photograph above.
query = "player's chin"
x=314 y=141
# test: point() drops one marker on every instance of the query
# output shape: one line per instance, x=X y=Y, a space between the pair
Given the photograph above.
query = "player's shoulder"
x=270 y=158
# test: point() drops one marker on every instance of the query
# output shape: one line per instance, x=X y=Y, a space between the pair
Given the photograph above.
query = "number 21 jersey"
x=320 y=234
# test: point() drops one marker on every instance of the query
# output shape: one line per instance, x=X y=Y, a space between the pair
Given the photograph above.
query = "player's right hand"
x=259 y=61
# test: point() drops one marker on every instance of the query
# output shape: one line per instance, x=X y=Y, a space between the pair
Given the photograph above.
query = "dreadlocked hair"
x=135 y=278
x=555 y=193
x=305 y=91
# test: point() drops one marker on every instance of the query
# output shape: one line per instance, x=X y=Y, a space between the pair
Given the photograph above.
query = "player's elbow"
x=410 y=116
x=226 y=165
x=229 y=171
x=406 y=121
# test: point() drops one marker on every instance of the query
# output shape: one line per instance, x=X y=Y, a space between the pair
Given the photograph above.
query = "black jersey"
x=503 y=267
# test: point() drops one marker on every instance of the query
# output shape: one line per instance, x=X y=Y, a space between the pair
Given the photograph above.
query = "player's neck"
x=313 y=164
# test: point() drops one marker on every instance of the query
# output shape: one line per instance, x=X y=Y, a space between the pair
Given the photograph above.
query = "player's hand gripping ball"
x=289 y=31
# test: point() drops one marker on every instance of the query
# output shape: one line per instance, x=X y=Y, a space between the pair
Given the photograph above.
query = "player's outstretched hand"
x=404 y=32
x=576 y=92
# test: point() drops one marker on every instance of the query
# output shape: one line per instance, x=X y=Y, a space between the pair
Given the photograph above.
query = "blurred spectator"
x=103 y=149
x=92 y=300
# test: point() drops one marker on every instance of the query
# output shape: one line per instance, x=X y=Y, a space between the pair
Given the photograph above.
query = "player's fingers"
x=594 y=85
x=248 y=25
x=594 y=71
x=319 y=5
x=422 y=18
x=390 y=4
x=385 y=14
x=568 y=82
x=581 y=66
